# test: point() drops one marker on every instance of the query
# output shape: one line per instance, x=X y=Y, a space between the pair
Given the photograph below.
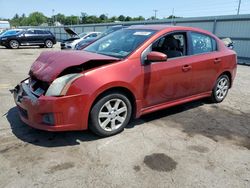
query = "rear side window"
x=202 y=43
x=39 y=32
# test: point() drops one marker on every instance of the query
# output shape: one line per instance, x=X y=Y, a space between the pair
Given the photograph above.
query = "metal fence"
x=237 y=27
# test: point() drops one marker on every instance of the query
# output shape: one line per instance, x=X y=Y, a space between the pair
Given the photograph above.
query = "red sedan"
x=126 y=74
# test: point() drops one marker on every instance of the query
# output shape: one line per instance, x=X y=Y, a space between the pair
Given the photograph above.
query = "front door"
x=170 y=80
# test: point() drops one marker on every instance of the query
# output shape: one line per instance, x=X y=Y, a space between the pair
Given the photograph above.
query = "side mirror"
x=156 y=57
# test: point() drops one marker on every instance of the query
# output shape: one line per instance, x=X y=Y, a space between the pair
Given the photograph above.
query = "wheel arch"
x=121 y=89
x=8 y=43
x=229 y=74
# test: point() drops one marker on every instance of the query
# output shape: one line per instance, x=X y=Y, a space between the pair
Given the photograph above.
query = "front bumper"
x=3 y=42
x=66 y=47
x=67 y=111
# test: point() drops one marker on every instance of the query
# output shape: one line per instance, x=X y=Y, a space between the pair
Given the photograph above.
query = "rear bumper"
x=67 y=111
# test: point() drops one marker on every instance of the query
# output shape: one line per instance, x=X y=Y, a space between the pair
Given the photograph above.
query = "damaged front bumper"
x=49 y=113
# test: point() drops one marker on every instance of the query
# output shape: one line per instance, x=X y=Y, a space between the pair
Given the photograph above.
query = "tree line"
x=38 y=18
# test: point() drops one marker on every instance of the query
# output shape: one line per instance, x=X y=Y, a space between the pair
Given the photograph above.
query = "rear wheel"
x=14 y=44
x=110 y=114
x=220 y=89
x=48 y=43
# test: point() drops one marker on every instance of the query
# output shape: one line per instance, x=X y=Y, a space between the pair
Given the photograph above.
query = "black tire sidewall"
x=94 y=124
x=214 y=96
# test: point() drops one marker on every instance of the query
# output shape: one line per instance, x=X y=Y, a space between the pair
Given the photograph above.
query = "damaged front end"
x=42 y=99
x=44 y=106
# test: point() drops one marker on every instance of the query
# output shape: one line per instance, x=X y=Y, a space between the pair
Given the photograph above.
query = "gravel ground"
x=193 y=145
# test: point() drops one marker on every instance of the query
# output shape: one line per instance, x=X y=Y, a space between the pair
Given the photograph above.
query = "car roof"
x=37 y=29
x=162 y=27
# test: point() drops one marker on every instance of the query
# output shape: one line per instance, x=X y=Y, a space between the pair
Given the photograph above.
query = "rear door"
x=206 y=62
x=40 y=35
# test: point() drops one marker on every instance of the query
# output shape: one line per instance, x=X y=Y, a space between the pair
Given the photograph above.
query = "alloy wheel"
x=48 y=43
x=14 y=44
x=112 y=114
x=222 y=88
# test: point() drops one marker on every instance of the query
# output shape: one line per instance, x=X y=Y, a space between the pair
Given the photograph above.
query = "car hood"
x=69 y=40
x=49 y=65
x=71 y=32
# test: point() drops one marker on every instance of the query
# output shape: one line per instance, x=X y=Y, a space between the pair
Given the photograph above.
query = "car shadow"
x=44 y=138
x=57 y=139
x=218 y=124
x=215 y=121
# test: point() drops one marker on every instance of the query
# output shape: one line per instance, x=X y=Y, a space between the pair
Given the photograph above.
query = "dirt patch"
x=200 y=149
x=59 y=167
x=11 y=148
x=160 y=162
x=137 y=168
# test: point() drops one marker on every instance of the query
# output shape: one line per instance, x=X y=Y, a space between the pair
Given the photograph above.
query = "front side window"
x=10 y=32
x=120 y=44
x=202 y=43
x=173 y=45
x=31 y=32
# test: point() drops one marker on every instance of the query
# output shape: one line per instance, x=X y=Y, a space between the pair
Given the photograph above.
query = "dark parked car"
x=27 y=37
x=84 y=43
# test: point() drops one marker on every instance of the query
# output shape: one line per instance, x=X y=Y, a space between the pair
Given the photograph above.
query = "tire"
x=48 y=43
x=13 y=44
x=220 y=89
x=110 y=114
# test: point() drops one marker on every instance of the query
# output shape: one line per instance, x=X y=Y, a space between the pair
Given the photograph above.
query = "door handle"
x=186 y=68
x=217 y=60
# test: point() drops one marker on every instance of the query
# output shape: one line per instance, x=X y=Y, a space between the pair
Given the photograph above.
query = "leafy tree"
x=121 y=18
x=83 y=17
x=113 y=19
x=71 y=20
x=38 y=18
x=139 y=18
x=128 y=18
x=103 y=17
x=172 y=16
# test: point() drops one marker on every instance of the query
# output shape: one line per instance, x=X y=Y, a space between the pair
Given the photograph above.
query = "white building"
x=4 y=25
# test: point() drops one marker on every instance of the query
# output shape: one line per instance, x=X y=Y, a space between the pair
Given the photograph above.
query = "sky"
x=133 y=8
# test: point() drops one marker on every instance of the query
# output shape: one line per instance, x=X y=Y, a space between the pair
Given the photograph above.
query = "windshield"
x=110 y=30
x=120 y=44
x=10 y=32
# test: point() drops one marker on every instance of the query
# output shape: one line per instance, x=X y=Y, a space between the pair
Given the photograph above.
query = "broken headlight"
x=60 y=85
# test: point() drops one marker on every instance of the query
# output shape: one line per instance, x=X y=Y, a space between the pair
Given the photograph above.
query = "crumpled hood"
x=49 y=65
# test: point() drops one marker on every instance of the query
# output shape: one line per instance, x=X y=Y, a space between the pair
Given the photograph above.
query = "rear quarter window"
x=39 y=32
x=202 y=43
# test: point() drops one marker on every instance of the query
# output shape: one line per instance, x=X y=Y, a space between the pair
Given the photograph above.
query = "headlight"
x=60 y=86
x=4 y=38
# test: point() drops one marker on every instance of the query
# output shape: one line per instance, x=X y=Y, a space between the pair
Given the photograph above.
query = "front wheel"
x=14 y=44
x=48 y=43
x=221 y=88
x=110 y=114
